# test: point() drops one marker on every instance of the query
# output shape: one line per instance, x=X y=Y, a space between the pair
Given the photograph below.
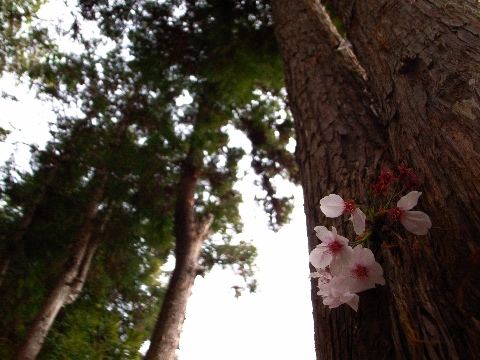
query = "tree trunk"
x=421 y=62
x=189 y=237
x=79 y=281
x=336 y=147
x=75 y=270
x=61 y=293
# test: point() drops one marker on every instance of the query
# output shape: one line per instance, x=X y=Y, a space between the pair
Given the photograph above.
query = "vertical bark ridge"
x=424 y=60
x=339 y=143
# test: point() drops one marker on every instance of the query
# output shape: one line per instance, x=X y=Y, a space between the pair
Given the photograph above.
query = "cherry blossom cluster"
x=343 y=269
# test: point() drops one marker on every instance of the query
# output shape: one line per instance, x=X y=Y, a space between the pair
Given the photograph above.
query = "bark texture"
x=336 y=151
x=422 y=58
x=189 y=236
x=421 y=64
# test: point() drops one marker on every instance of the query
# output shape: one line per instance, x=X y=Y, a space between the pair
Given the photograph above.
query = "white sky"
x=274 y=323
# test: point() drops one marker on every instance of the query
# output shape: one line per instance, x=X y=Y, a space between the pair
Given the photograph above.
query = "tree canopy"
x=100 y=199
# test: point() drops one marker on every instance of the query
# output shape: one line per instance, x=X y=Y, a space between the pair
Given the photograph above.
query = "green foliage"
x=127 y=121
x=239 y=257
x=24 y=41
x=3 y=134
x=269 y=127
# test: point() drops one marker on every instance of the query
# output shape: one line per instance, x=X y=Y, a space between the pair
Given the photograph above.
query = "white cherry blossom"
x=333 y=206
x=336 y=292
x=333 y=251
x=362 y=272
x=416 y=222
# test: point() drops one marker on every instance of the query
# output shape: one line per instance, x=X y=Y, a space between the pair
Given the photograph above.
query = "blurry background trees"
x=130 y=167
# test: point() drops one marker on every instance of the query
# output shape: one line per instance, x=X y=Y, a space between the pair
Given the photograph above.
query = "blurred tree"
x=24 y=39
x=135 y=174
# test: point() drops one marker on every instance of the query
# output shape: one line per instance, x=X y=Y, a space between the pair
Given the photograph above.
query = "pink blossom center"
x=395 y=214
x=349 y=206
x=360 y=271
x=335 y=247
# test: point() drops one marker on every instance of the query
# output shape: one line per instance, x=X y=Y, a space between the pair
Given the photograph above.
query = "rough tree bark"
x=336 y=147
x=189 y=237
x=421 y=62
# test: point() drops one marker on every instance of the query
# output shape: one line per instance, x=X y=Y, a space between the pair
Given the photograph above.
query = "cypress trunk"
x=421 y=64
x=71 y=274
x=189 y=236
x=75 y=269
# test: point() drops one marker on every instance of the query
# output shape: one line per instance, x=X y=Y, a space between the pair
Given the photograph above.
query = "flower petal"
x=416 y=222
x=371 y=272
x=358 y=220
x=320 y=257
x=408 y=201
x=332 y=205
x=353 y=302
x=323 y=234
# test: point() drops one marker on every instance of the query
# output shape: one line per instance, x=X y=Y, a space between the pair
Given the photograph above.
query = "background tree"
x=129 y=128
x=408 y=96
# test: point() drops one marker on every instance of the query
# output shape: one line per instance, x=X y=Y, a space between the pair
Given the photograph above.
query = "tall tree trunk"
x=61 y=294
x=339 y=142
x=75 y=270
x=421 y=61
x=79 y=281
x=189 y=236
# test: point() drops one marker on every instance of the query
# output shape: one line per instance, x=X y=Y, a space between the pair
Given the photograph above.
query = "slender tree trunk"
x=421 y=62
x=75 y=270
x=189 y=235
x=79 y=281
x=61 y=293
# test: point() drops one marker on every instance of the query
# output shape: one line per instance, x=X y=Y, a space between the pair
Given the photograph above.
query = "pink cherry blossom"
x=333 y=251
x=358 y=220
x=323 y=275
x=336 y=292
x=416 y=222
x=362 y=272
x=333 y=206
